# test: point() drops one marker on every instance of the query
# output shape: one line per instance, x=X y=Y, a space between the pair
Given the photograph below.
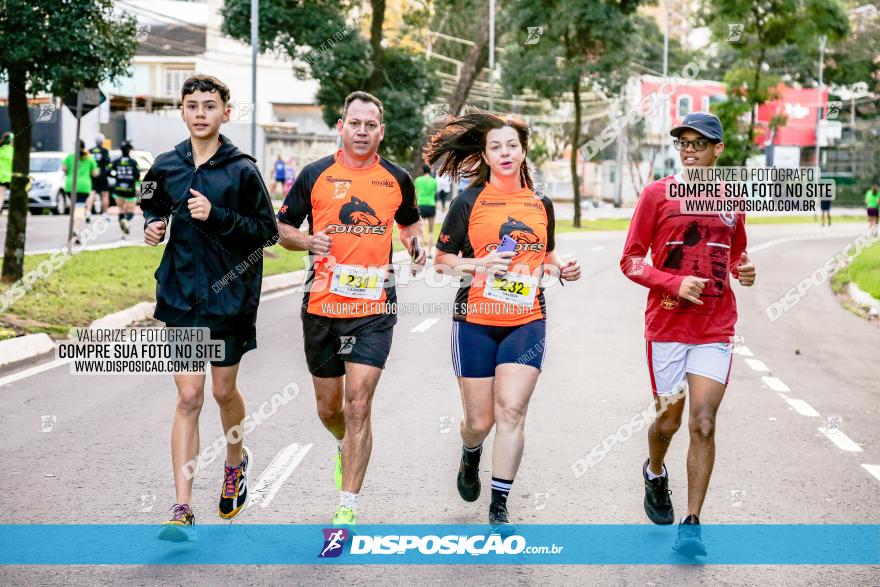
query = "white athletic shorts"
x=670 y=362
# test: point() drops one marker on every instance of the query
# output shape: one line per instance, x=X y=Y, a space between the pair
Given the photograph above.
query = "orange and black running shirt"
x=355 y=208
x=477 y=221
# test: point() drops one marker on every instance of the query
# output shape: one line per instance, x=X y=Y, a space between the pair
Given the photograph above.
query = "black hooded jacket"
x=212 y=270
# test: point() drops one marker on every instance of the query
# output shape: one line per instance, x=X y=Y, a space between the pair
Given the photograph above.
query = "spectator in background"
x=825 y=210
x=444 y=188
x=872 y=196
x=100 y=185
x=280 y=176
x=127 y=174
x=289 y=175
x=426 y=198
x=5 y=166
x=86 y=170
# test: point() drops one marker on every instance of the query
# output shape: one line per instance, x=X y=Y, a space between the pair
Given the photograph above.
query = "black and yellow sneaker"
x=690 y=540
x=234 y=494
x=658 y=506
x=181 y=526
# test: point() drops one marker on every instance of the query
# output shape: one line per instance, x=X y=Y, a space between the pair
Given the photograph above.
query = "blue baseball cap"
x=704 y=123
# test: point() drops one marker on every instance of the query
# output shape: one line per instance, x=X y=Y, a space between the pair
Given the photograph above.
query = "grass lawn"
x=864 y=271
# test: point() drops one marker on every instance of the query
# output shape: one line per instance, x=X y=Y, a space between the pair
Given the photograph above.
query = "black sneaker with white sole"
x=658 y=505
x=468 y=480
x=234 y=494
x=690 y=540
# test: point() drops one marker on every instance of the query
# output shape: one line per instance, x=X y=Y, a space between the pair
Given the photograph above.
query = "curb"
x=24 y=347
x=32 y=345
x=123 y=318
x=863 y=298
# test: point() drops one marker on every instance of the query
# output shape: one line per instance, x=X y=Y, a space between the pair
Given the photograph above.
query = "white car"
x=47 y=183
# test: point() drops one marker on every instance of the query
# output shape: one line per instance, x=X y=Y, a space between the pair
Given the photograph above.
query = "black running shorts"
x=330 y=342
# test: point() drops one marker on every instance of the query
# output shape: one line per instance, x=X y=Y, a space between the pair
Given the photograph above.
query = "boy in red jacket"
x=689 y=321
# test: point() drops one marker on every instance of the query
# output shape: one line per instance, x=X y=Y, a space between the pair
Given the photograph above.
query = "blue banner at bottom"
x=246 y=544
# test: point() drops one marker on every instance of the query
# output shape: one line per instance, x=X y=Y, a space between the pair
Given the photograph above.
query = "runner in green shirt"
x=5 y=166
x=872 y=198
x=426 y=198
x=85 y=171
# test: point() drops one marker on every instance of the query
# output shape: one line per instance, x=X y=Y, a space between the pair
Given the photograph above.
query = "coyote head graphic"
x=358 y=212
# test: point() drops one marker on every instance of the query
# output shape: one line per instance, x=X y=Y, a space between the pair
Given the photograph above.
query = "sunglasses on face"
x=698 y=145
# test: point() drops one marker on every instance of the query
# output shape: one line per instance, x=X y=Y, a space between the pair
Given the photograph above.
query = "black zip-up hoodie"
x=212 y=270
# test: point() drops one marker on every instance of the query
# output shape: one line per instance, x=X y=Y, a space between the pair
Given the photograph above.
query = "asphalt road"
x=48 y=233
x=813 y=368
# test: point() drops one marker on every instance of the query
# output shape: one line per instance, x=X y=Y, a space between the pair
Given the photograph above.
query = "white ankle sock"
x=348 y=499
x=652 y=476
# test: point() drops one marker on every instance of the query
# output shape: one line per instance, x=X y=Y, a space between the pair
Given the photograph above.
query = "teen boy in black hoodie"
x=222 y=217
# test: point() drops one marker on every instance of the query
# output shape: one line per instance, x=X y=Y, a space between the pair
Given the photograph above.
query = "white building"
x=177 y=39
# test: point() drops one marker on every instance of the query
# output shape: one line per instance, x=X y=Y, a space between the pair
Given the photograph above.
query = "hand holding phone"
x=508 y=244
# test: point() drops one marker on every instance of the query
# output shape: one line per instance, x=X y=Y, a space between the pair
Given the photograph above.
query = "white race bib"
x=352 y=281
x=513 y=288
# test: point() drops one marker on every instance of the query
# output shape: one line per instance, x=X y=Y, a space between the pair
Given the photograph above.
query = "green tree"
x=59 y=48
x=770 y=29
x=581 y=44
x=325 y=38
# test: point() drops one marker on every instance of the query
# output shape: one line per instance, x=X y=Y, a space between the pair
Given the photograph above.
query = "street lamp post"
x=255 y=33
x=822 y=40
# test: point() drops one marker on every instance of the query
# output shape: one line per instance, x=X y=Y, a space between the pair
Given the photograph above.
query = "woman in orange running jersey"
x=499 y=237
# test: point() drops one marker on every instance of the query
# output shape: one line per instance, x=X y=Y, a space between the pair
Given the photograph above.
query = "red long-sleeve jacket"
x=702 y=245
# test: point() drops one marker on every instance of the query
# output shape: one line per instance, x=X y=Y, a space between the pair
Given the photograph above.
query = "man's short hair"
x=204 y=83
x=363 y=97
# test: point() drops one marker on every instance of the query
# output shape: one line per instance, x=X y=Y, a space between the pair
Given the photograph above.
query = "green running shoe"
x=343 y=517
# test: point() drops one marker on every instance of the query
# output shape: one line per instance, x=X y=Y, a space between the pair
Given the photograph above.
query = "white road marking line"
x=775 y=383
x=842 y=441
x=743 y=351
x=424 y=325
x=280 y=294
x=789 y=239
x=33 y=371
x=277 y=473
x=757 y=365
x=597 y=249
x=802 y=407
x=873 y=470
